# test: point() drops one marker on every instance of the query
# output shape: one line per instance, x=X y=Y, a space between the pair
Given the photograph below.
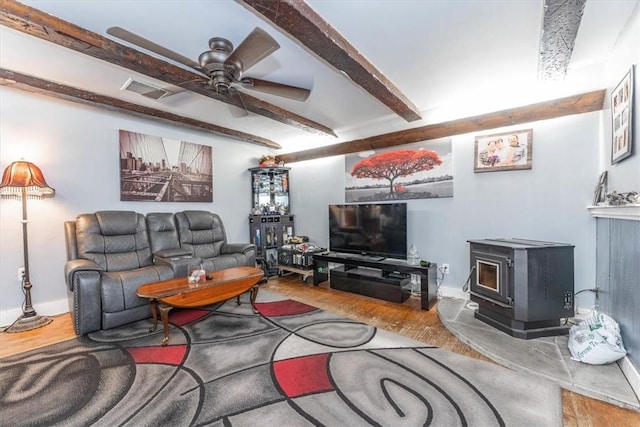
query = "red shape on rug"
x=169 y=355
x=283 y=308
x=183 y=317
x=303 y=375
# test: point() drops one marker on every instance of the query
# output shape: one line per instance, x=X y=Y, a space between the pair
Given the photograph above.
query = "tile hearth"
x=548 y=357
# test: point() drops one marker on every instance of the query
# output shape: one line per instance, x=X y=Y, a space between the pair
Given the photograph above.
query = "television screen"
x=377 y=230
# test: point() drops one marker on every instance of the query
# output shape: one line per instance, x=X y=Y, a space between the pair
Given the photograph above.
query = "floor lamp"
x=23 y=180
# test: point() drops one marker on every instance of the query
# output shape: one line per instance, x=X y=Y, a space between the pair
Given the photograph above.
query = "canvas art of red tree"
x=391 y=165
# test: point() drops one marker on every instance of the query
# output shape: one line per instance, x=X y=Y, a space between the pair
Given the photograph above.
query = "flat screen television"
x=377 y=230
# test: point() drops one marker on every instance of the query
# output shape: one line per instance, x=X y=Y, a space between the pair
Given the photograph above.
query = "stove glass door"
x=488 y=275
x=491 y=276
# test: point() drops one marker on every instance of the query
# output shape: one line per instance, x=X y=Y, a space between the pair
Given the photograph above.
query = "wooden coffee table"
x=223 y=285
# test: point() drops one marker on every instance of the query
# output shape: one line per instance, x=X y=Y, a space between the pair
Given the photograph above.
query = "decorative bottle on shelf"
x=413 y=258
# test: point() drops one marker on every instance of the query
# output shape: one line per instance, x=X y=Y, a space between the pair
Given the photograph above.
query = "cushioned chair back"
x=115 y=240
x=70 y=240
x=163 y=232
x=201 y=232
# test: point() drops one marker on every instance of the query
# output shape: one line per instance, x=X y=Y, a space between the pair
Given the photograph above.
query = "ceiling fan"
x=223 y=67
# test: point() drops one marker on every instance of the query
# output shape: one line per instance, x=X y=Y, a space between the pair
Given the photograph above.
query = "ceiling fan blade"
x=279 y=89
x=239 y=109
x=130 y=37
x=257 y=46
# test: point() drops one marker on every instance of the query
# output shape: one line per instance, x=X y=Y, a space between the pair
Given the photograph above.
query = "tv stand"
x=363 y=257
x=385 y=279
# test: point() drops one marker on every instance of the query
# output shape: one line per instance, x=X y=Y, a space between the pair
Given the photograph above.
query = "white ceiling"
x=452 y=58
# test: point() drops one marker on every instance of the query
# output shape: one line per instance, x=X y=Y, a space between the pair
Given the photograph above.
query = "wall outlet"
x=20 y=274
x=445 y=268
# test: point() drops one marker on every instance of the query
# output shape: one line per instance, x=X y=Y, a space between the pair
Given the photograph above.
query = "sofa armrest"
x=179 y=265
x=78 y=265
x=173 y=253
x=234 y=248
x=86 y=302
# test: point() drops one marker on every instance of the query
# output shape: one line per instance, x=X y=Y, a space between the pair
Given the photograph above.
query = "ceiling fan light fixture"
x=212 y=61
x=220 y=82
x=220 y=44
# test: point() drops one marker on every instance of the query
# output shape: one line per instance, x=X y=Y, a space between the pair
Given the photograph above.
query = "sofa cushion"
x=225 y=261
x=115 y=240
x=117 y=223
x=201 y=232
x=118 y=288
x=163 y=232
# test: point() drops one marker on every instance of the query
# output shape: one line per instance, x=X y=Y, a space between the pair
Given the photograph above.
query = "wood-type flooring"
x=406 y=319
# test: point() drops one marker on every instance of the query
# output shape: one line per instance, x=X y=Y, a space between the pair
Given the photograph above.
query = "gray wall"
x=77 y=149
x=625 y=175
x=548 y=202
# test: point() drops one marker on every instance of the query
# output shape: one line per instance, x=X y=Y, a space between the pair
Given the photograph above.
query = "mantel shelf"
x=628 y=212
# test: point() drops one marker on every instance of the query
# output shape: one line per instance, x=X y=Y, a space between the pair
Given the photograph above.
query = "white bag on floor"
x=596 y=341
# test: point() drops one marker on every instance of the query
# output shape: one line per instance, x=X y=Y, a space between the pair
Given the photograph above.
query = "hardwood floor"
x=406 y=319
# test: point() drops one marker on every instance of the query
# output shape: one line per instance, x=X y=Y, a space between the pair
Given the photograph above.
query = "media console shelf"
x=385 y=279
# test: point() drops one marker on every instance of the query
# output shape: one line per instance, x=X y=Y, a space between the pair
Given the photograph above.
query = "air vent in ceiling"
x=145 y=89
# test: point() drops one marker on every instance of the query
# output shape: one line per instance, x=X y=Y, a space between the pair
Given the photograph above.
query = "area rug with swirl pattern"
x=290 y=365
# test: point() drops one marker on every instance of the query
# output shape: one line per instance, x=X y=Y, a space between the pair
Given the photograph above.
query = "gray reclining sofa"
x=111 y=253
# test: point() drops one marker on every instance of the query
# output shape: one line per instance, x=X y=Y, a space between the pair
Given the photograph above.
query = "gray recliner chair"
x=108 y=259
x=202 y=234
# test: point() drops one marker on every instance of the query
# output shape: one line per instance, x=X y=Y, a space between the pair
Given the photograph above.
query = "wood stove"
x=522 y=287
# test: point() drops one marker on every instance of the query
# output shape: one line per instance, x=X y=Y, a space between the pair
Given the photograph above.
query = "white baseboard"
x=51 y=308
x=632 y=374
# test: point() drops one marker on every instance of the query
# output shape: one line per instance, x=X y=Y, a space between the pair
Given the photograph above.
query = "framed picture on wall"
x=159 y=169
x=504 y=151
x=422 y=170
x=622 y=118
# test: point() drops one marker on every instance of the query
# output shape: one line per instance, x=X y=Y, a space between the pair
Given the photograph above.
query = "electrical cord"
x=438 y=293
x=595 y=290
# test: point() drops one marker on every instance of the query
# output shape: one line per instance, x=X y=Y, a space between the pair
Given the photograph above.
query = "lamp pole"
x=28 y=310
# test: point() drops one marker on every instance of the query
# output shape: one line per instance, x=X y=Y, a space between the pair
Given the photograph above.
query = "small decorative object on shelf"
x=268 y=160
x=618 y=199
x=413 y=258
x=601 y=190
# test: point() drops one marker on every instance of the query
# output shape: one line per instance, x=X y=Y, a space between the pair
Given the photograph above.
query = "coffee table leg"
x=153 y=306
x=253 y=296
x=164 y=315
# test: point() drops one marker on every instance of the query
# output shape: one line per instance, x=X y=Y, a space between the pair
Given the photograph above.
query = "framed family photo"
x=622 y=114
x=504 y=151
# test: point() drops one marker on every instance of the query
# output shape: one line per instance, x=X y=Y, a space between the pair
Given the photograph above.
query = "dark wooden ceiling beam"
x=39 y=86
x=577 y=104
x=559 y=30
x=297 y=19
x=55 y=30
